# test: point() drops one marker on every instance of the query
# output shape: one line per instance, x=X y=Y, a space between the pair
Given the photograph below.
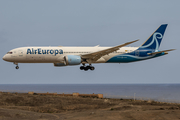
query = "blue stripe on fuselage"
x=136 y=55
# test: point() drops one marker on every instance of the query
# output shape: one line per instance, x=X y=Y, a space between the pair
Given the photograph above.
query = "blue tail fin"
x=154 y=41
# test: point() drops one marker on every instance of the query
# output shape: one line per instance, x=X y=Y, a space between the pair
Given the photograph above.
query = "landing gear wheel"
x=92 y=68
x=86 y=68
x=17 y=67
x=82 y=68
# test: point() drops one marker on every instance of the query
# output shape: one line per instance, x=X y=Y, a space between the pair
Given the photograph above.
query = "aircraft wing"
x=160 y=52
x=96 y=55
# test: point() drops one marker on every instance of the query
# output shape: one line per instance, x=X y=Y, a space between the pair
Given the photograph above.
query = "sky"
x=89 y=23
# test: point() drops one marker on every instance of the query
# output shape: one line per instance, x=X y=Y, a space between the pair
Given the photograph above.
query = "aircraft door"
x=20 y=52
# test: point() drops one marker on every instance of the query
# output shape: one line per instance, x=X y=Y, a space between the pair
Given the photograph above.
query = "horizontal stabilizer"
x=161 y=52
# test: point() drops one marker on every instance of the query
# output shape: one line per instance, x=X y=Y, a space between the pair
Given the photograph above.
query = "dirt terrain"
x=22 y=106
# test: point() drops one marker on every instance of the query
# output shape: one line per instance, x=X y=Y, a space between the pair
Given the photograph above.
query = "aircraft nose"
x=4 y=57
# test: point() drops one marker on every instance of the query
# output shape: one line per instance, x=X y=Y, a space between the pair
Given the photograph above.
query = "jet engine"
x=69 y=60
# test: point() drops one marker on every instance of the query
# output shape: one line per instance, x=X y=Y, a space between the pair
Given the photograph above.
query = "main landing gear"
x=85 y=68
x=17 y=67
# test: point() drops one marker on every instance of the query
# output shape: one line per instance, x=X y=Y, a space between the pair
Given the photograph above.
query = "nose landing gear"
x=17 y=67
x=85 y=68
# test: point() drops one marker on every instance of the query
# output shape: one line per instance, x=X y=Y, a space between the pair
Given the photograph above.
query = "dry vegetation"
x=50 y=104
x=24 y=106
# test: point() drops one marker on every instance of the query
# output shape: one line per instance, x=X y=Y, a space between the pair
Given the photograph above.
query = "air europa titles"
x=44 y=51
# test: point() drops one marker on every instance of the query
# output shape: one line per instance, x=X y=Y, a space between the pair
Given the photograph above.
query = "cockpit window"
x=9 y=52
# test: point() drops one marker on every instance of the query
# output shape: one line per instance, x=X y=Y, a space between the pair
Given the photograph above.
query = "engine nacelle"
x=72 y=60
x=69 y=60
x=59 y=64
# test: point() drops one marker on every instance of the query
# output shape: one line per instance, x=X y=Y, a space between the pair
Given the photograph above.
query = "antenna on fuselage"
x=96 y=46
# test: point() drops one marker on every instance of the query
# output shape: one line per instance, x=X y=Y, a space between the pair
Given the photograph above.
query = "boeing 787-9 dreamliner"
x=66 y=56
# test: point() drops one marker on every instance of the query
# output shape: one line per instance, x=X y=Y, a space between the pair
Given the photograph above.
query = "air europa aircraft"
x=65 y=56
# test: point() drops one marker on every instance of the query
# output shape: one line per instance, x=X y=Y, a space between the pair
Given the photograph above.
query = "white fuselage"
x=55 y=54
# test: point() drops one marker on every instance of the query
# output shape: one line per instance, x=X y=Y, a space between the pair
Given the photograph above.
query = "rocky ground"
x=21 y=106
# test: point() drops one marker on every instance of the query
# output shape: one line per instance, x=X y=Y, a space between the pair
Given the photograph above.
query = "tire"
x=85 y=68
x=82 y=68
x=88 y=67
x=92 y=68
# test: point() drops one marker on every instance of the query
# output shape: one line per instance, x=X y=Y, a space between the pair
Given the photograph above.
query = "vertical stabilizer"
x=154 y=41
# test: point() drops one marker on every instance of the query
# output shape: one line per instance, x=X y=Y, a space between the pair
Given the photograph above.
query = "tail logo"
x=156 y=36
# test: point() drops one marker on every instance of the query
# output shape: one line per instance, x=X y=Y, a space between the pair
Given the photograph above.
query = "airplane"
x=68 y=56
